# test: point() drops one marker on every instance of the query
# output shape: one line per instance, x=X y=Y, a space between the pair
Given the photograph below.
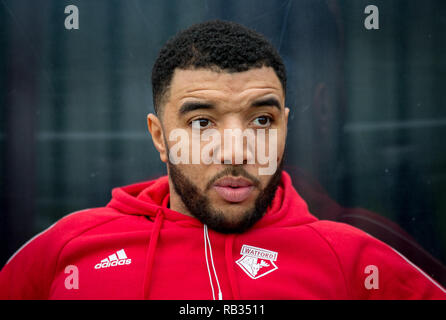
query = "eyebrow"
x=267 y=102
x=194 y=105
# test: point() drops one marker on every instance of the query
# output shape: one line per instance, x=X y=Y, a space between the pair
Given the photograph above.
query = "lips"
x=233 y=189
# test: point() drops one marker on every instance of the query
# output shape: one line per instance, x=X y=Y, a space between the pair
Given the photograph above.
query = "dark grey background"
x=368 y=109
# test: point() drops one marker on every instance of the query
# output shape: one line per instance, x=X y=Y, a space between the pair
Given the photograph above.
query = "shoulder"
x=67 y=228
x=82 y=220
x=358 y=253
x=26 y=275
x=355 y=247
x=339 y=234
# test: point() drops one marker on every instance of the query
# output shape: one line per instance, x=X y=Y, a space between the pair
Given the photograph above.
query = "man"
x=226 y=223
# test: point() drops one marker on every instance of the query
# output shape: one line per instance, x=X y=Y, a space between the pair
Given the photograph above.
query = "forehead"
x=206 y=83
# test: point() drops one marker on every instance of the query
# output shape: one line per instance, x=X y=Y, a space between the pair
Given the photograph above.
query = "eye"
x=202 y=123
x=262 y=121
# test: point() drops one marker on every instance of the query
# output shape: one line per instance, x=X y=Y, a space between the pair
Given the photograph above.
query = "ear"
x=156 y=130
x=286 y=115
x=287 y=112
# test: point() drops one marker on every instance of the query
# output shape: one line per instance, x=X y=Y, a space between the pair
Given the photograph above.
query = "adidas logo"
x=116 y=259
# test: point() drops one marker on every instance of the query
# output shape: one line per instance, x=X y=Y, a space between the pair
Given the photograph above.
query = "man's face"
x=228 y=197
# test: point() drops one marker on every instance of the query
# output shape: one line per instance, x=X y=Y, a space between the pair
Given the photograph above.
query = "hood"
x=150 y=197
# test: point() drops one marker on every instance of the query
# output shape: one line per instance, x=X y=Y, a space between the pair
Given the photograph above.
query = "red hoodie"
x=137 y=248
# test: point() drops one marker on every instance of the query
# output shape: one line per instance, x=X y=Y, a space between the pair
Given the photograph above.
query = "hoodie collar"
x=146 y=198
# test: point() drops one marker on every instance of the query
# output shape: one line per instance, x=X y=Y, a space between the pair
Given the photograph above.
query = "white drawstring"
x=206 y=242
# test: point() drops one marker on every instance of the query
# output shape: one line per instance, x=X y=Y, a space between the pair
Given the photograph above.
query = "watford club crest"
x=257 y=262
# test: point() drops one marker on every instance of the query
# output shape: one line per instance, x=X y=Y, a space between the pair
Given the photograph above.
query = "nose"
x=238 y=146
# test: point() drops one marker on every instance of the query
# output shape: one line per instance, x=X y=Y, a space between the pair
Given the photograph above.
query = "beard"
x=200 y=207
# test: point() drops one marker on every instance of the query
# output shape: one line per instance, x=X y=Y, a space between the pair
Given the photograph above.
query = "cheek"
x=276 y=141
x=281 y=141
x=195 y=174
x=264 y=180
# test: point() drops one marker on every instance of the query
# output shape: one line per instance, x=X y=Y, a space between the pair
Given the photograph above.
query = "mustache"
x=234 y=171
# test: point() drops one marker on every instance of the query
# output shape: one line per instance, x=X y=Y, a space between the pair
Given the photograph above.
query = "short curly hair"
x=219 y=45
